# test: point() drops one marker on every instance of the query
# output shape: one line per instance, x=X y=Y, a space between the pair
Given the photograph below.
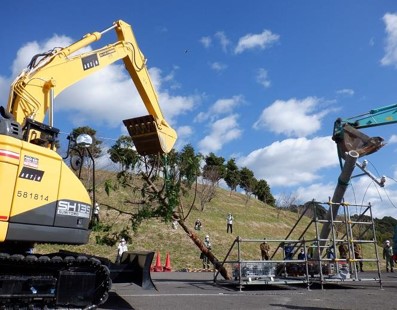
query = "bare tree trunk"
x=218 y=266
x=206 y=193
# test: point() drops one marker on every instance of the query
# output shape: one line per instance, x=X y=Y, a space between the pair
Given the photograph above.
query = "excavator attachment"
x=148 y=137
x=133 y=268
x=350 y=139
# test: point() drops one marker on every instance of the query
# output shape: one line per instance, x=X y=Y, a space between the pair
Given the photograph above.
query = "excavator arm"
x=352 y=144
x=348 y=137
x=33 y=91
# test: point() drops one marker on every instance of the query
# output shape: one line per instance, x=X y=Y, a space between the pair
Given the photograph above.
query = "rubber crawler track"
x=45 y=269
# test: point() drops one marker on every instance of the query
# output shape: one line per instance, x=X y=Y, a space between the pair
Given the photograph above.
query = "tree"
x=188 y=163
x=214 y=169
x=213 y=172
x=123 y=152
x=313 y=209
x=262 y=191
x=285 y=201
x=232 y=175
x=166 y=178
x=247 y=181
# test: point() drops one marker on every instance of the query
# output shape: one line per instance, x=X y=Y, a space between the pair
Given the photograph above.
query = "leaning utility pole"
x=343 y=182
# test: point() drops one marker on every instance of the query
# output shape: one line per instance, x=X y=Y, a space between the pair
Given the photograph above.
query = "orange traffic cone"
x=167 y=266
x=158 y=266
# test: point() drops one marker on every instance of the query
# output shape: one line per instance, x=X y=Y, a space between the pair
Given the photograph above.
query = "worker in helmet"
x=388 y=256
x=122 y=247
x=203 y=256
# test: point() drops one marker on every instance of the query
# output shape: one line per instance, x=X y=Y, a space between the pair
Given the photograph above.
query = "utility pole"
x=343 y=182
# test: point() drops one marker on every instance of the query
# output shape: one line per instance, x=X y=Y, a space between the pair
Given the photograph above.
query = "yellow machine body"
x=42 y=199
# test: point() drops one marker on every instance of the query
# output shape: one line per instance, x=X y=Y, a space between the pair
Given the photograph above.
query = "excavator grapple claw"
x=353 y=139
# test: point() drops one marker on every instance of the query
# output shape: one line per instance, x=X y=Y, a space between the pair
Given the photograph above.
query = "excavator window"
x=40 y=134
x=8 y=125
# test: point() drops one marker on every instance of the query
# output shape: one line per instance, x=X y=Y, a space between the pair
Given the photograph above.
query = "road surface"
x=190 y=291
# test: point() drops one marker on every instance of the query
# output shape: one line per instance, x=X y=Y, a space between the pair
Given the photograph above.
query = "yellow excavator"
x=42 y=200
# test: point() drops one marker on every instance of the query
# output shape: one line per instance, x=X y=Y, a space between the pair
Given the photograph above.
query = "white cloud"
x=224 y=106
x=364 y=191
x=263 y=78
x=4 y=88
x=223 y=40
x=206 y=41
x=317 y=191
x=345 y=91
x=393 y=139
x=217 y=66
x=291 y=162
x=220 y=37
x=184 y=133
x=292 y=117
x=222 y=131
x=390 y=57
x=261 y=41
x=221 y=106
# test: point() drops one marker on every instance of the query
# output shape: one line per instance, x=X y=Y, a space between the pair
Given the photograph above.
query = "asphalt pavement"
x=190 y=291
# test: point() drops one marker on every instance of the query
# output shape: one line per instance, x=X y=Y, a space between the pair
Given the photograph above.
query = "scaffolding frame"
x=318 y=268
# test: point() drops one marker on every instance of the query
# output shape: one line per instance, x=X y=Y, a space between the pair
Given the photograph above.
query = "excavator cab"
x=40 y=134
x=348 y=138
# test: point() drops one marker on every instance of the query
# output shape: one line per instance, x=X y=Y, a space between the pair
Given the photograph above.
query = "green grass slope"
x=252 y=220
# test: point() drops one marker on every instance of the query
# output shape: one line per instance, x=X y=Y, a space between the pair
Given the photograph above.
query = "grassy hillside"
x=253 y=220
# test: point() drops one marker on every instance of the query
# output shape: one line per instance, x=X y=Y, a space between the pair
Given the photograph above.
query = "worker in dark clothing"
x=343 y=250
x=358 y=255
x=289 y=251
x=301 y=255
x=265 y=249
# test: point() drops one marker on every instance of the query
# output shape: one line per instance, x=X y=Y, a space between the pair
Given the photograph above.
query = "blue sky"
x=260 y=81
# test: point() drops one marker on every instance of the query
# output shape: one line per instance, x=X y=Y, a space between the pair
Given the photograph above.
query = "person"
x=388 y=256
x=204 y=257
x=122 y=247
x=330 y=252
x=96 y=213
x=312 y=250
x=229 y=221
x=301 y=254
x=265 y=248
x=358 y=255
x=175 y=224
x=288 y=250
x=197 y=225
x=343 y=250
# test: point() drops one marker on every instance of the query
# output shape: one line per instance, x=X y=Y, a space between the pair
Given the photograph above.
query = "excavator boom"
x=33 y=91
